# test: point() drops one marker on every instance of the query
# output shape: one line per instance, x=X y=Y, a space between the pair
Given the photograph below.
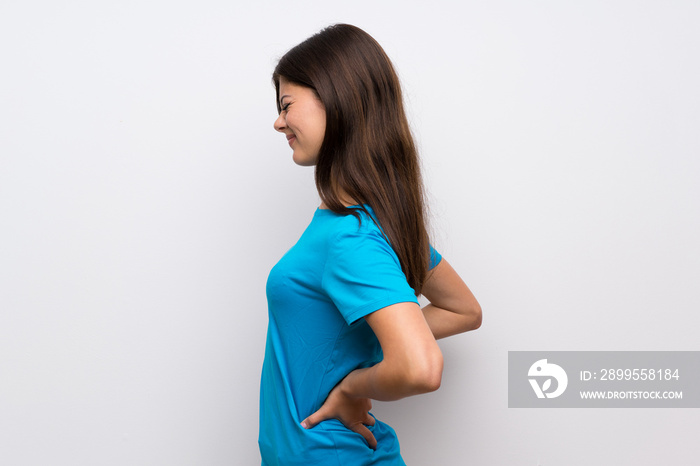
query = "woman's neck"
x=344 y=199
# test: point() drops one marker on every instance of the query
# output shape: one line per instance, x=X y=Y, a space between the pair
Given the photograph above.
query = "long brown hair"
x=368 y=151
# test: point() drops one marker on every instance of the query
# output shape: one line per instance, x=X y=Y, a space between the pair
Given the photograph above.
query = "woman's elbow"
x=434 y=378
x=470 y=313
x=427 y=377
x=475 y=317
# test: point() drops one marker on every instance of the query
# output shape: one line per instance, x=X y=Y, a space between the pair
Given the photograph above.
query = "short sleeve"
x=435 y=258
x=363 y=274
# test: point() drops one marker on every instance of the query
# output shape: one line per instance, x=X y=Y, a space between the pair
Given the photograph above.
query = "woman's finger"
x=365 y=432
x=314 y=419
x=369 y=420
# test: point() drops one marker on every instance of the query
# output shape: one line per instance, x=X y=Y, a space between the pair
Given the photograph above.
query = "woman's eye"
x=284 y=107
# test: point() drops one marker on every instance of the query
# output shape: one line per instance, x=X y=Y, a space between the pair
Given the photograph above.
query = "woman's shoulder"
x=355 y=241
x=357 y=224
x=357 y=219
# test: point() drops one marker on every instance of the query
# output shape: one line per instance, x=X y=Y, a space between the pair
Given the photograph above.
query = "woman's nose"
x=280 y=124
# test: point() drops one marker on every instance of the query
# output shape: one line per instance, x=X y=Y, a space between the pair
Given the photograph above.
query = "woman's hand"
x=412 y=364
x=351 y=411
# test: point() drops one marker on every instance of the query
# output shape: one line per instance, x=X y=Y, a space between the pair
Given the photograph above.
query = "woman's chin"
x=303 y=160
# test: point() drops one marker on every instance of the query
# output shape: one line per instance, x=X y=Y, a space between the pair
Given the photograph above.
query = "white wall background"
x=144 y=196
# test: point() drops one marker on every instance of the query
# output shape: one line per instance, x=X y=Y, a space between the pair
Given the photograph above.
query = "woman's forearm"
x=444 y=323
x=387 y=381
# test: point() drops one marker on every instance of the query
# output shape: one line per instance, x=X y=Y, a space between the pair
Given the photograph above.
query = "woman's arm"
x=412 y=361
x=412 y=365
x=453 y=308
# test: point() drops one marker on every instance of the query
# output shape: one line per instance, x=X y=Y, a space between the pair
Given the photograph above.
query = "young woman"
x=345 y=326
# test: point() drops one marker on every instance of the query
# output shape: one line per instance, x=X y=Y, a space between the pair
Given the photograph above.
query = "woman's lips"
x=291 y=139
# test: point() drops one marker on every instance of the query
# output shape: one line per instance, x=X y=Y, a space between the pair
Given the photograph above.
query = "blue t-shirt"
x=339 y=271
